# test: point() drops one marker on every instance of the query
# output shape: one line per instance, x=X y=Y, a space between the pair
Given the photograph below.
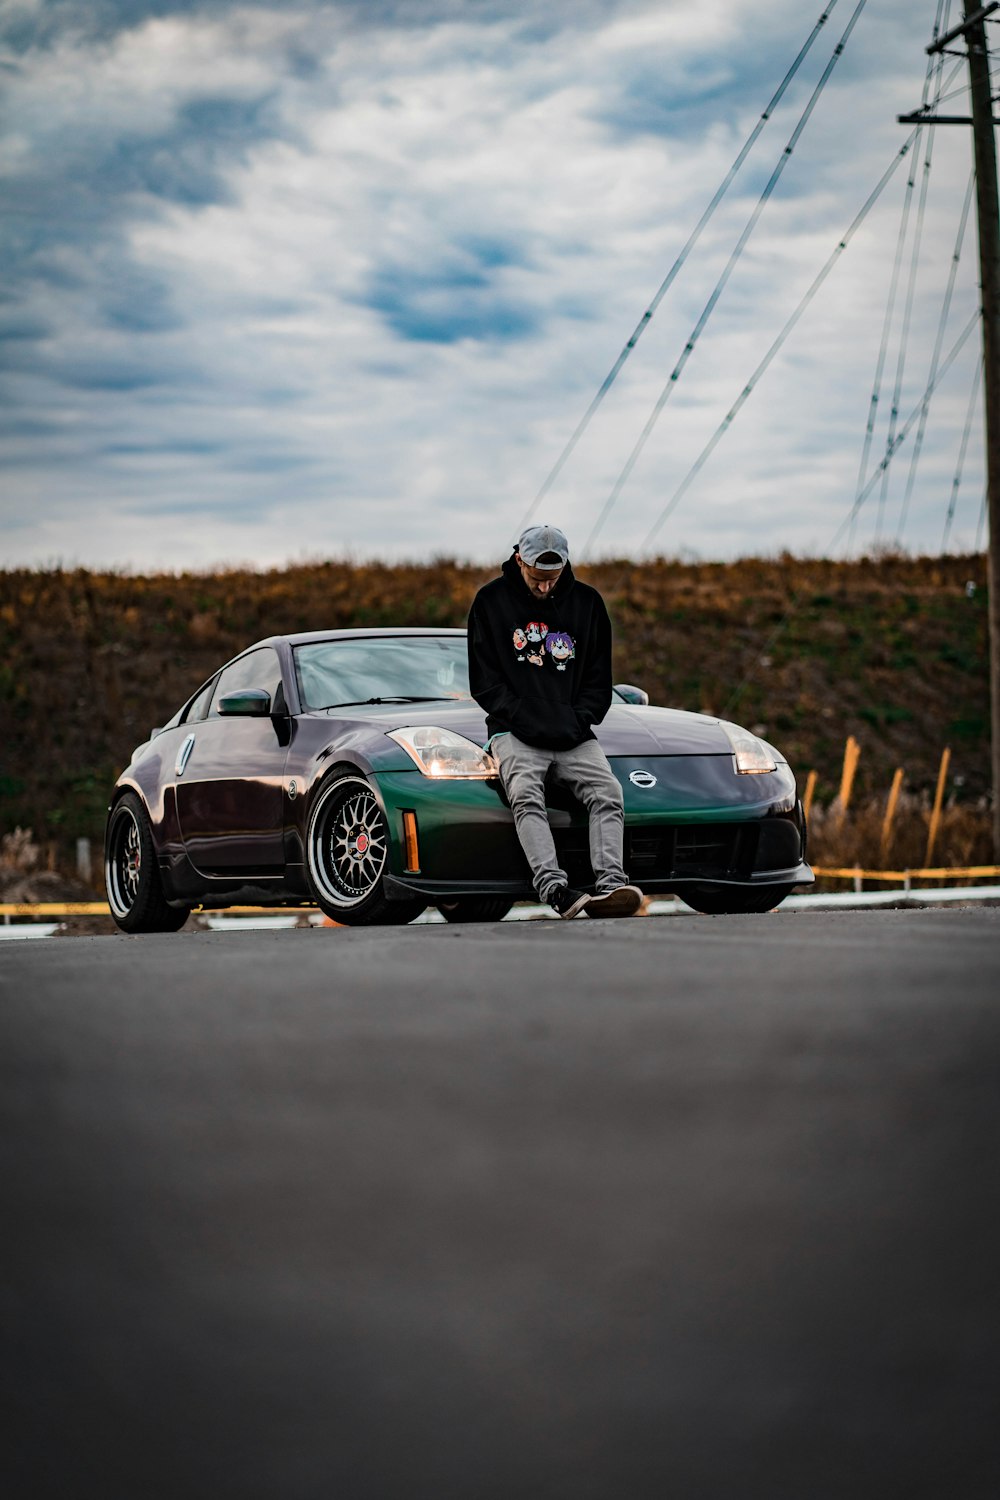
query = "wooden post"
x=938 y=799
x=852 y=750
x=890 y=813
x=807 y=799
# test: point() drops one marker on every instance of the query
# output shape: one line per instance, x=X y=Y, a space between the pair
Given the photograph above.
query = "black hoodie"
x=541 y=668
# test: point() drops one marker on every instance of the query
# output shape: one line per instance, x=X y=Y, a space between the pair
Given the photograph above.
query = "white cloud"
x=362 y=303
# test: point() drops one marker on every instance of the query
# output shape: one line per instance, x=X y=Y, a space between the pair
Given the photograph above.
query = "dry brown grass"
x=964 y=836
x=890 y=649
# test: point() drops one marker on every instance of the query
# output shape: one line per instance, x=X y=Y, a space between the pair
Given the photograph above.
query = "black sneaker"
x=568 y=902
x=622 y=902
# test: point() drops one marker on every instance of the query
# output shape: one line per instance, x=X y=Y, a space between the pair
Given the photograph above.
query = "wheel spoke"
x=125 y=863
x=133 y=858
x=351 y=843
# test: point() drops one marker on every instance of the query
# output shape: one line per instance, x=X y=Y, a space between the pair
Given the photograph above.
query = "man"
x=540 y=665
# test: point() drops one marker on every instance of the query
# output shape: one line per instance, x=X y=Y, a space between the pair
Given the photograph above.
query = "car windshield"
x=331 y=673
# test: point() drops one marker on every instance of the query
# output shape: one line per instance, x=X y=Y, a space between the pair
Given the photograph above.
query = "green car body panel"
x=464 y=826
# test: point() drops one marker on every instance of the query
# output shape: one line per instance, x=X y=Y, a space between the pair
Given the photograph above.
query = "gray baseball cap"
x=539 y=540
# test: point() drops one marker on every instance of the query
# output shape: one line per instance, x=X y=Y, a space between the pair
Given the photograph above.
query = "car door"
x=230 y=778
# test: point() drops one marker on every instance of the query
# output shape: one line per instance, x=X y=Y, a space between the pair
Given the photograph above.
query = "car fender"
x=150 y=795
x=331 y=762
x=151 y=777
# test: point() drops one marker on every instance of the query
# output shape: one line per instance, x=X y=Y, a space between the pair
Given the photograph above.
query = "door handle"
x=184 y=755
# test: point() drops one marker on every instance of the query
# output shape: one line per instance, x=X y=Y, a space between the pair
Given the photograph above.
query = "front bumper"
x=699 y=823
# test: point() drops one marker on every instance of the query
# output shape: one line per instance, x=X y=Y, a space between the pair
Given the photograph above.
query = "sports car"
x=346 y=769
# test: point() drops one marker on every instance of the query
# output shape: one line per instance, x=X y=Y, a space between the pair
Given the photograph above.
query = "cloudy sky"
x=301 y=280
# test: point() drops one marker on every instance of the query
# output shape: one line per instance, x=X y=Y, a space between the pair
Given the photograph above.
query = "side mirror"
x=635 y=695
x=253 y=703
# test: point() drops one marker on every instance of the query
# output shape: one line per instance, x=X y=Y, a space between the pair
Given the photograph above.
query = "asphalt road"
x=688 y=1208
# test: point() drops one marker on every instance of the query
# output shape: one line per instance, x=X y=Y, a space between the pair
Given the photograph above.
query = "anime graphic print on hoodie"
x=547 y=681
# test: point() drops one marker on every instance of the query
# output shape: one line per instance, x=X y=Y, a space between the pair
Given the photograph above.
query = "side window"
x=198 y=707
x=259 y=669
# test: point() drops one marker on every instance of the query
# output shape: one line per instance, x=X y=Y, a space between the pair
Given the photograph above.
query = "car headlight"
x=442 y=752
x=751 y=755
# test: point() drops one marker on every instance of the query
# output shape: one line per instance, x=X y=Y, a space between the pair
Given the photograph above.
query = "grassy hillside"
x=892 y=650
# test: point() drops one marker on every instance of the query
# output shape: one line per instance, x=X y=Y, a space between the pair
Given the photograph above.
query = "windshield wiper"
x=363 y=702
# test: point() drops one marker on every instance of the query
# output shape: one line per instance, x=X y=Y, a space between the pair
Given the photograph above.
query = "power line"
x=955 y=93
x=897 y=442
x=668 y=280
x=934 y=71
x=706 y=313
x=903 y=432
x=918 y=441
x=956 y=482
x=887 y=320
x=748 y=389
x=890 y=308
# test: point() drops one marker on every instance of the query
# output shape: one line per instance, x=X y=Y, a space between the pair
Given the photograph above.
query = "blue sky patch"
x=442 y=308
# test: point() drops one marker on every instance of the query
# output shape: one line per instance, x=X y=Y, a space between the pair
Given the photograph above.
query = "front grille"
x=644 y=852
x=706 y=847
x=699 y=851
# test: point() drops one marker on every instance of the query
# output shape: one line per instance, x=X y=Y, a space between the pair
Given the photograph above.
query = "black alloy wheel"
x=734 y=900
x=131 y=875
x=475 y=908
x=347 y=851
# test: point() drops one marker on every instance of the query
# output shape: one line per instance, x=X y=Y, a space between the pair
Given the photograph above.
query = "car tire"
x=723 y=900
x=347 y=853
x=475 y=908
x=131 y=874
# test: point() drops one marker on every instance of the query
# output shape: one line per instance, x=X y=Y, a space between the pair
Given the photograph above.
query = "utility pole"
x=973 y=30
x=984 y=142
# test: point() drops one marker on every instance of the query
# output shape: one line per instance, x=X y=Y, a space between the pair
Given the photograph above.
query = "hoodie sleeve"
x=593 y=698
x=486 y=681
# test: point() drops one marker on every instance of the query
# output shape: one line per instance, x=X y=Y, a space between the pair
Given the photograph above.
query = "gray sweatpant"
x=585 y=771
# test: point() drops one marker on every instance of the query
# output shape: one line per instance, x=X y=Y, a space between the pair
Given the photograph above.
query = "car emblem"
x=642 y=778
x=293 y=789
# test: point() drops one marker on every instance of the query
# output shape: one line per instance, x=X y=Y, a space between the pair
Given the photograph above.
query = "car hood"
x=626 y=730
